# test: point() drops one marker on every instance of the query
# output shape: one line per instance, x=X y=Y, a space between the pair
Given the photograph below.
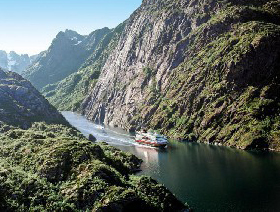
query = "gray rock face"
x=205 y=69
x=15 y=62
x=67 y=53
x=21 y=104
x=151 y=40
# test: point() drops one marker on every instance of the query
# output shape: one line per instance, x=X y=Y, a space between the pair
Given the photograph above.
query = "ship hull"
x=149 y=143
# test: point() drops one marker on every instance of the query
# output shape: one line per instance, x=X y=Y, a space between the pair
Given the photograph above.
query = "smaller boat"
x=100 y=127
x=151 y=139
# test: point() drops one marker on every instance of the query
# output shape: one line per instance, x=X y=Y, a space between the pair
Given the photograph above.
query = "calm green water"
x=208 y=178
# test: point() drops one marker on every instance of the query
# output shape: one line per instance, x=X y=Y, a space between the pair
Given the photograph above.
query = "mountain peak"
x=15 y=62
x=71 y=33
x=67 y=53
x=13 y=52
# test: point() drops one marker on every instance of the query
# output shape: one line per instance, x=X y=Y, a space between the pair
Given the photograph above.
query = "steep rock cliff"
x=206 y=70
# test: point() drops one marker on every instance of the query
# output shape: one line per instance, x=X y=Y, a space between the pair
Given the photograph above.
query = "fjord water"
x=209 y=178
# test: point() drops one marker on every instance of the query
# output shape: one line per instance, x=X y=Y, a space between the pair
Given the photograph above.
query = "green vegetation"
x=225 y=90
x=149 y=72
x=54 y=168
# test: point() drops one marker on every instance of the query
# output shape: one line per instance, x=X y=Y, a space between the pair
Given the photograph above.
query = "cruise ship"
x=151 y=139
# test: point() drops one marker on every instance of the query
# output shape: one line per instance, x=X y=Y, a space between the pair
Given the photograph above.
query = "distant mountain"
x=69 y=93
x=68 y=51
x=14 y=62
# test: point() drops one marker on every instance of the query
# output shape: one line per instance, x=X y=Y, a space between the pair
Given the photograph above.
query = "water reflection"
x=210 y=178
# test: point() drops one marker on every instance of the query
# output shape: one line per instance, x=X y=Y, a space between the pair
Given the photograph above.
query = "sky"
x=29 y=26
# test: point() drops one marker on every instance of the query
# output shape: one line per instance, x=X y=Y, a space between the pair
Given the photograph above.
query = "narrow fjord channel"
x=208 y=177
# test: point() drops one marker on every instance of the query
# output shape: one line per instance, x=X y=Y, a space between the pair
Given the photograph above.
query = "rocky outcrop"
x=21 y=104
x=67 y=53
x=205 y=70
x=15 y=62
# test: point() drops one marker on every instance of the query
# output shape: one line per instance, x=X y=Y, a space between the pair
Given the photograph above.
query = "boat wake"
x=111 y=136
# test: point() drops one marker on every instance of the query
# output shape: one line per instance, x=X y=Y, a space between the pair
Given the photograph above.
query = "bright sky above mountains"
x=28 y=26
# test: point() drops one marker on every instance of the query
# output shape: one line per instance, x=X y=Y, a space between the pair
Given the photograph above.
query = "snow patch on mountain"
x=14 y=62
